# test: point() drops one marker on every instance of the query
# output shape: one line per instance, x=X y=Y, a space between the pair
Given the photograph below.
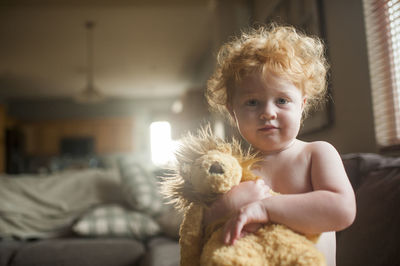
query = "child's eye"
x=282 y=101
x=252 y=102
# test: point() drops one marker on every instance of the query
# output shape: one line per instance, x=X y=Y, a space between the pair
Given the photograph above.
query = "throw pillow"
x=116 y=221
x=139 y=187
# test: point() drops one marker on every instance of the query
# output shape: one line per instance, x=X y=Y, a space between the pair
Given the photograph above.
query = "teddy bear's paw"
x=284 y=247
x=230 y=257
x=245 y=252
x=311 y=259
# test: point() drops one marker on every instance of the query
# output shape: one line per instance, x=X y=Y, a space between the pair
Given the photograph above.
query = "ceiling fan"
x=90 y=94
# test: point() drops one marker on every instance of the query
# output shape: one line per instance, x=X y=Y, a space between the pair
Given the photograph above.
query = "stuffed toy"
x=207 y=167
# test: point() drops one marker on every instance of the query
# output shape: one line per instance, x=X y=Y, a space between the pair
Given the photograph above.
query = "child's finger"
x=260 y=181
x=227 y=232
x=232 y=231
x=238 y=228
x=227 y=237
x=265 y=189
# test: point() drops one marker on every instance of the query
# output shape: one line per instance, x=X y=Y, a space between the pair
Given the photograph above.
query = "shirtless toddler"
x=265 y=82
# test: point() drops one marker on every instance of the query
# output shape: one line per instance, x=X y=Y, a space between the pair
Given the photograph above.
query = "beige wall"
x=352 y=130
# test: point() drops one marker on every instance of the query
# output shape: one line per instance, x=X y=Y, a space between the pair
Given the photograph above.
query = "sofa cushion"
x=359 y=165
x=116 y=221
x=79 y=252
x=162 y=251
x=8 y=249
x=373 y=237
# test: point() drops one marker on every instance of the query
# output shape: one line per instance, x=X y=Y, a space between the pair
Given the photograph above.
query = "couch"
x=92 y=216
x=160 y=251
x=371 y=240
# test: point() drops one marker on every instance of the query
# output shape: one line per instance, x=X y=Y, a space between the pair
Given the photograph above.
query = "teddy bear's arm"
x=191 y=235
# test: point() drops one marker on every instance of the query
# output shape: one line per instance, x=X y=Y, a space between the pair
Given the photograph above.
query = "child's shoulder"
x=321 y=152
x=320 y=148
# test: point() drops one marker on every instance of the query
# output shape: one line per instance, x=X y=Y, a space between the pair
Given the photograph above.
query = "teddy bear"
x=207 y=167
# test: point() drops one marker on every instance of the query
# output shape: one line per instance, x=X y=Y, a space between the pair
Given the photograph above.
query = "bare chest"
x=288 y=175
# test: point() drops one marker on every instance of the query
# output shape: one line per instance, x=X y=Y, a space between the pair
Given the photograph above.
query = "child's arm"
x=237 y=197
x=329 y=207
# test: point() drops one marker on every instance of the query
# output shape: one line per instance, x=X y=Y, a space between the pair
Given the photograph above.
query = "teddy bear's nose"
x=216 y=168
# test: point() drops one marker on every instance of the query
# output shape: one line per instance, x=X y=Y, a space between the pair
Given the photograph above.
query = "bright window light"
x=162 y=145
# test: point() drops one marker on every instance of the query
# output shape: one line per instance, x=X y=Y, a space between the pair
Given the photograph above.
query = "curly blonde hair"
x=280 y=50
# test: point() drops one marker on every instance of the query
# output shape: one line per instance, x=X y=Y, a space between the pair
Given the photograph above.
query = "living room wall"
x=352 y=129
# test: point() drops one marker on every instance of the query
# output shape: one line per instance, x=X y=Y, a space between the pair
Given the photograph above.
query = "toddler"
x=265 y=82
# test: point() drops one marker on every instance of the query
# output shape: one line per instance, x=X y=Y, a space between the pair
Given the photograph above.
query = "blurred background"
x=84 y=78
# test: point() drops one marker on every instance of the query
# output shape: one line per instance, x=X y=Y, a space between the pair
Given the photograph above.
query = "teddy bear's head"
x=214 y=172
x=207 y=166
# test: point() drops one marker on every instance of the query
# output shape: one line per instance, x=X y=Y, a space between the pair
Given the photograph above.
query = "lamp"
x=89 y=94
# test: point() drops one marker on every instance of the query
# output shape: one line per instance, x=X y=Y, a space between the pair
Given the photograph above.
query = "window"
x=382 y=20
x=162 y=145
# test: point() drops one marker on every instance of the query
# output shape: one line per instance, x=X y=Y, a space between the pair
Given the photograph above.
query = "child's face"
x=267 y=112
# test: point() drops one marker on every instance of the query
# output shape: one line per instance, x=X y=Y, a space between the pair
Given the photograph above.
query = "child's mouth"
x=268 y=128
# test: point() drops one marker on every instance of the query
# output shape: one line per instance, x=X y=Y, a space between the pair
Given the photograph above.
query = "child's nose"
x=268 y=112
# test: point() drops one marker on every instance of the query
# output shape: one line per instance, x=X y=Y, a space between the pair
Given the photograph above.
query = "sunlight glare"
x=162 y=145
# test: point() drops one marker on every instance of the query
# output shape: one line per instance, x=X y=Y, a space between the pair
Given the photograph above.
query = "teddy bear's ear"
x=225 y=148
x=185 y=169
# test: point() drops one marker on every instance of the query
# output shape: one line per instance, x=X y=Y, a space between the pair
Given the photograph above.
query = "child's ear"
x=303 y=104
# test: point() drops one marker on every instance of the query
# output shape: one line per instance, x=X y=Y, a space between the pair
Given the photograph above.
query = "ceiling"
x=140 y=49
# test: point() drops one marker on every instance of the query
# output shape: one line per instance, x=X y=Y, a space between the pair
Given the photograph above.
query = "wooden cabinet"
x=111 y=135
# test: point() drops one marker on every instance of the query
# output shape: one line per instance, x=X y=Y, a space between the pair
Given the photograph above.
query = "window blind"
x=382 y=20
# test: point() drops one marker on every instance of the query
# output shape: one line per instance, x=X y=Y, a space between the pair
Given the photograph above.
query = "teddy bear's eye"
x=216 y=168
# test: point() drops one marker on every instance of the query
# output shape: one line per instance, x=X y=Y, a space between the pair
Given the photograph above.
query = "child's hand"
x=245 y=193
x=247 y=220
x=237 y=197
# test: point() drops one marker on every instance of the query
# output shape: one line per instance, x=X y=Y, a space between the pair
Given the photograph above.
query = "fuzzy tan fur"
x=207 y=167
